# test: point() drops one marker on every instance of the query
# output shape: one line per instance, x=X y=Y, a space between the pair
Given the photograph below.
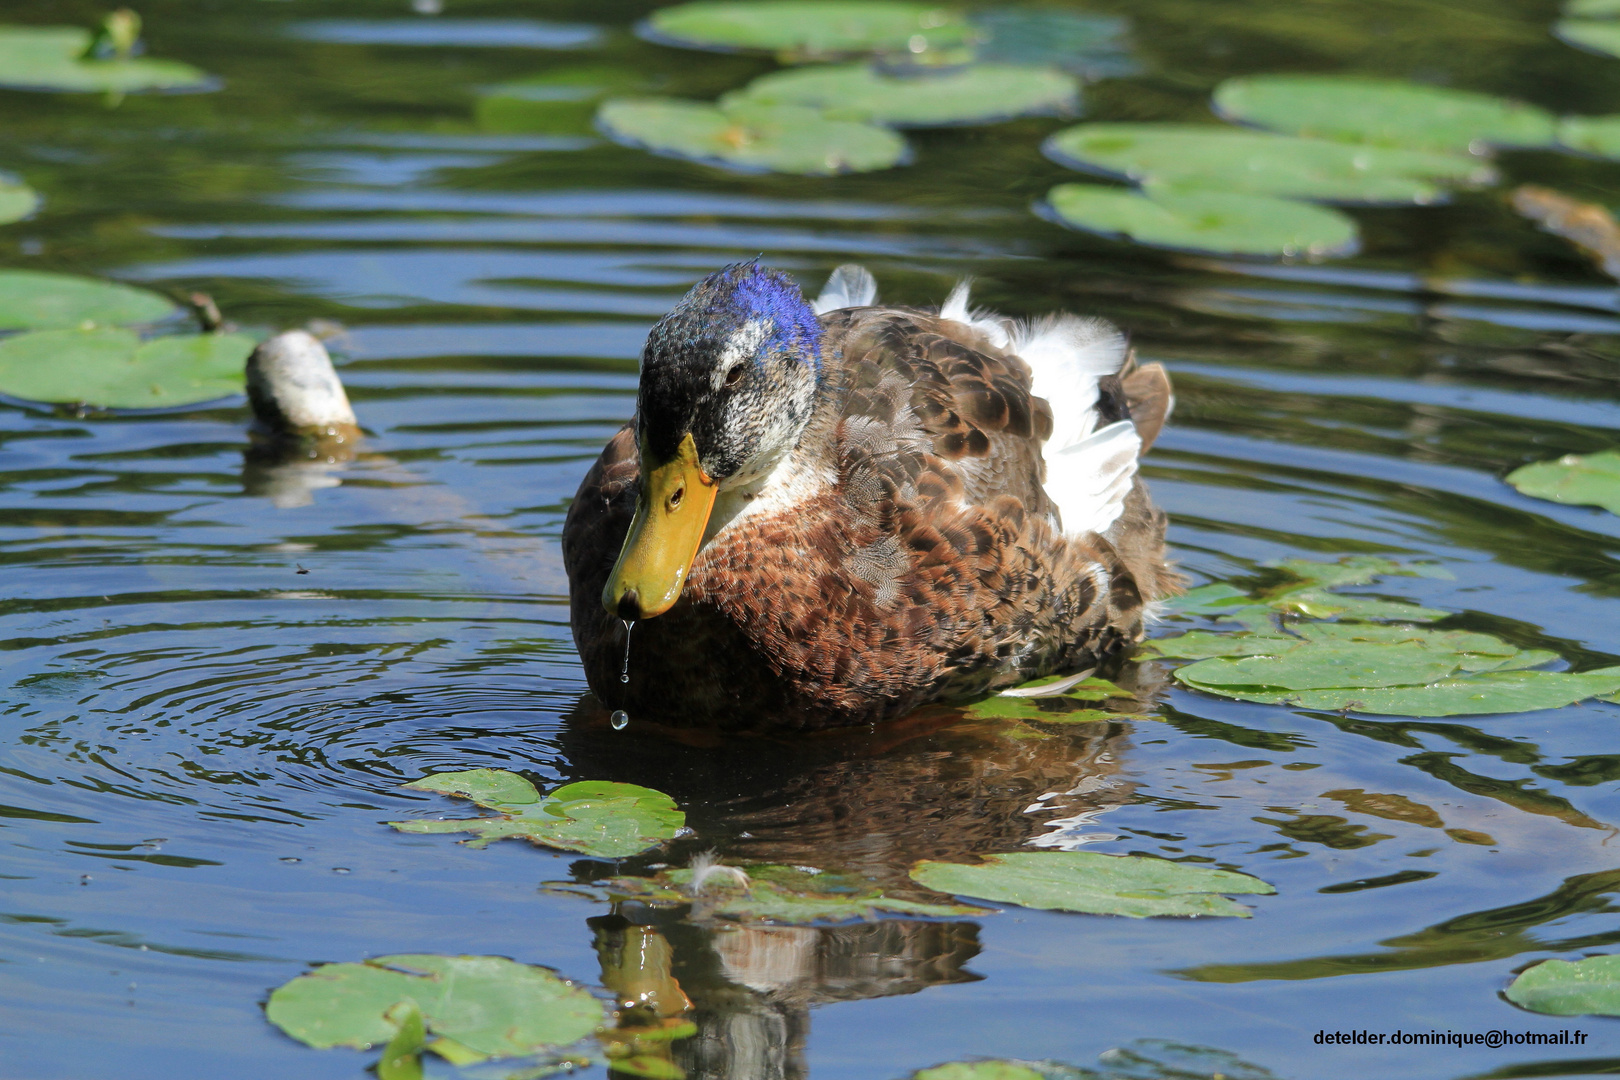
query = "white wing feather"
x=849 y=286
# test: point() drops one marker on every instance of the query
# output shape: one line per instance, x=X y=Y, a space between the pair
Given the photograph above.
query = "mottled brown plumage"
x=928 y=563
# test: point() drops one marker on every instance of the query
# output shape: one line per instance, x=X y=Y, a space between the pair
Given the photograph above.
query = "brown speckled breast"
x=933 y=568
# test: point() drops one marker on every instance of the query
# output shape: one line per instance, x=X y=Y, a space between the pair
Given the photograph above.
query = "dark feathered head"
x=728 y=380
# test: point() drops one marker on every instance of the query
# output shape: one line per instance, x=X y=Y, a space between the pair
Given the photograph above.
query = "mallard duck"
x=830 y=513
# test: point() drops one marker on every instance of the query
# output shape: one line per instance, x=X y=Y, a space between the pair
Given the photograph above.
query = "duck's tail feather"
x=849 y=286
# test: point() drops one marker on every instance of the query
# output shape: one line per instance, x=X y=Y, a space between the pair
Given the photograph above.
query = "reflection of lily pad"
x=811 y=29
x=1228 y=160
x=596 y=817
x=50 y=58
x=1132 y=885
x=33 y=300
x=1382 y=112
x=759 y=138
x=971 y=95
x=17 y=201
x=779 y=894
x=476 y=1007
x=1589 y=987
x=1592 y=480
x=1214 y=221
x=112 y=368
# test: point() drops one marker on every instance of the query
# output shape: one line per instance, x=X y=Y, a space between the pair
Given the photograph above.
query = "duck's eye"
x=676 y=496
x=734 y=376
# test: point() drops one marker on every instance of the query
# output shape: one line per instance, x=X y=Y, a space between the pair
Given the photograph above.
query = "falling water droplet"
x=624 y=672
x=620 y=720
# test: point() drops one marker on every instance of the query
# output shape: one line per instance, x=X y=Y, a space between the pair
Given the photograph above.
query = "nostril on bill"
x=629 y=605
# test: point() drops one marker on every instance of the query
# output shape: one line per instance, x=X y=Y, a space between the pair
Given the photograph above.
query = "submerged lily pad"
x=560 y=101
x=33 y=300
x=778 y=894
x=595 y=817
x=1382 y=112
x=1133 y=885
x=17 y=201
x=1093 y=46
x=1212 y=221
x=979 y=94
x=1230 y=160
x=1592 y=480
x=52 y=58
x=753 y=137
x=811 y=29
x=112 y=368
x=475 y=1007
x=1589 y=987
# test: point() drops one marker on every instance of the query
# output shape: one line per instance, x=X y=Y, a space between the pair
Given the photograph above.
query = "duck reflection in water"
x=869 y=803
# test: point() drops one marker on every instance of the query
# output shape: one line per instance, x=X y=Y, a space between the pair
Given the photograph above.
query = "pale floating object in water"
x=304 y=427
x=1062 y=686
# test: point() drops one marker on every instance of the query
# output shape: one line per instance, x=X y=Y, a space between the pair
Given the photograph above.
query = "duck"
x=832 y=512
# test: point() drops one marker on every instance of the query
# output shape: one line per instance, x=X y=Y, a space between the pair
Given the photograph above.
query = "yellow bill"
x=671 y=514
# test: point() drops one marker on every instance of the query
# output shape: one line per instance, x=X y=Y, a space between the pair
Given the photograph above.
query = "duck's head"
x=728 y=380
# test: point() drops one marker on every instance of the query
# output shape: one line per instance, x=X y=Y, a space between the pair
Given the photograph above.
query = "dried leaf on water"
x=594 y=817
x=474 y=1007
x=1133 y=885
x=1589 y=987
x=1592 y=480
x=752 y=137
x=1586 y=225
x=112 y=368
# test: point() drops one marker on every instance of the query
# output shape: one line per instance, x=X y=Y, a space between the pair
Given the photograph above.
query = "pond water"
x=214 y=678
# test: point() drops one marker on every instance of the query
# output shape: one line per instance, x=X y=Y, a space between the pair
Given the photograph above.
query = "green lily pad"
x=811 y=29
x=112 y=368
x=754 y=138
x=778 y=894
x=33 y=300
x=1598 y=35
x=52 y=58
x=17 y=201
x=1479 y=694
x=980 y=94
x=1589 y=987
x=979 y=1070
x=1382 y=112
x=1231 y=160
x=481 y=1006
x=1131 y=885
x=1598 y=135
x=1592 y=480
x=560 y=101
x=1212 y=221
x=1064 y=708
x=402 y=1057
x=1206 y=600
x=594 y=817
x=1592 y=8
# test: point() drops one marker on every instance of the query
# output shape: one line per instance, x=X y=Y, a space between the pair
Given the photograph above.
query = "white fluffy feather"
x=849 y=286
x=1088 y=471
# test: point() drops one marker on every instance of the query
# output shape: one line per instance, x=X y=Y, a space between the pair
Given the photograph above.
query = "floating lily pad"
x=810 y=29
x=1131 y=885
x=1479 y=694
x=475 y=1007
x=561 y=101
x=1067 y=707
x=979 y=1070
x=1382 y=112
x=778 y=894
x=112 y=368
x=757 y=138
x=971 y=95
x=595 y=817
x=1589 y=987
x=1598 y=35
x=17 y=201
x=51 y=58
x=1206 y=600
x=1230 y=160
x=1093 y=46
x=1598 y=135
x=33 y=300
x=1212 y=221
x=1592 y=480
